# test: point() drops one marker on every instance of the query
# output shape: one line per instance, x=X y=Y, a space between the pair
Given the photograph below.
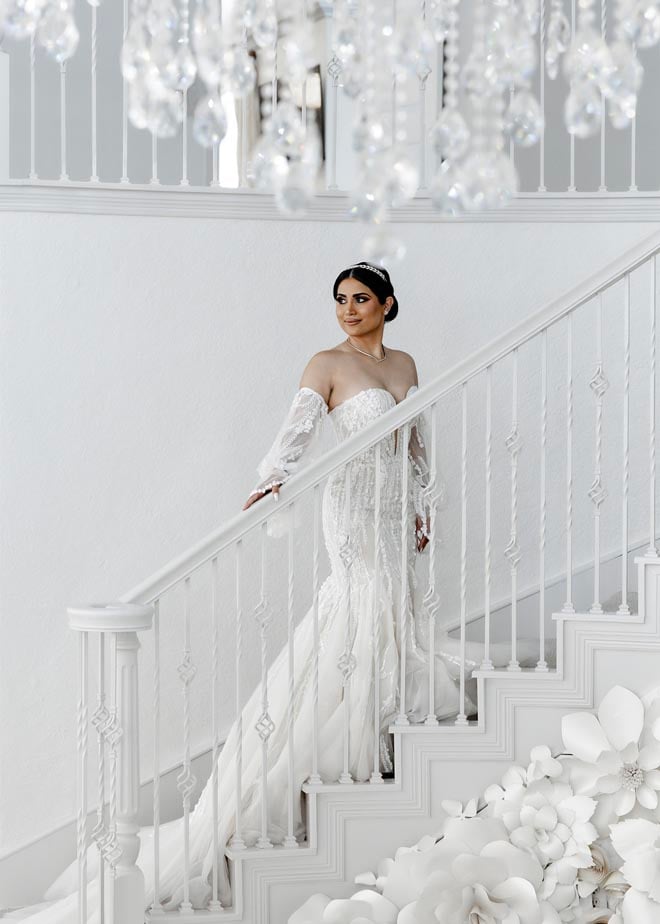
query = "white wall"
x=146 y=364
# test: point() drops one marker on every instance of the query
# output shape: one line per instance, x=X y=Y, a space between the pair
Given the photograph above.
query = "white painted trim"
x=87 y=198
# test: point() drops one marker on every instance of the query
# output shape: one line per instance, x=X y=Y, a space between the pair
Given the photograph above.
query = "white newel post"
x=123 y=883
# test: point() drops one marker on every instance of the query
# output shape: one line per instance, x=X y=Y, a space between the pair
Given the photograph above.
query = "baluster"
x=402 y=718
x=652 y=551
x=265 y=726
x=94 y=177
x=568 y=605
x=597 y=493
x=290 y=840
x=186 y=780
x=100 y=719
x=512 y=551
x=114 y=734
x=542 y=664
x=377 y=776
x=571 y=185
x=431 y=600
x=334 y=70
x=33 y=129
x=124 y=107
x=633 y=141
x=461 y=718
x=542 y=186
x=624 y=609
x=156 y=905
x=603 y=32
x=237 y=842
x=81 y=820
x=64 y=176
x=154 y=181
x=314 y=776
x=487 y=664
x=347 y=662
x=215 y=904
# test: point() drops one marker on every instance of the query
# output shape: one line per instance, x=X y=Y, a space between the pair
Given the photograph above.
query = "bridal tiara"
x=372 y=268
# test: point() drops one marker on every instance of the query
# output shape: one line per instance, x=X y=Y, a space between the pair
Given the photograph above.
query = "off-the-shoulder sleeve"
x=298 y=436
x=417 y=453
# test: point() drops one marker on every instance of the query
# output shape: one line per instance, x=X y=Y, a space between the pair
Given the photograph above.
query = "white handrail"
x=468 y=368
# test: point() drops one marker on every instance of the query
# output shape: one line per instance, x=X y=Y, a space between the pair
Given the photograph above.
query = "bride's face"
x=358 y=308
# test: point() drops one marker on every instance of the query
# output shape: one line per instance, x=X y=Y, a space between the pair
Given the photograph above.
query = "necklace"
x=364 y=353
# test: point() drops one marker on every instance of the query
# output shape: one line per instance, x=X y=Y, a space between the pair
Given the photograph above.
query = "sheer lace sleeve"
x=299 y=434
x=417 y=453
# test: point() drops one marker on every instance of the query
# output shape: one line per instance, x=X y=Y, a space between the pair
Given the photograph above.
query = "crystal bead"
x=383 y=248
x=238 y=74
x=523 y=120
x=626 y=77
x=489 y=180
x=287 y=130
x=162 y=16
x=450 y=135
x=400 y=177
x=135 y=55
x=210 y=121
x=208 y=44
x=264 y=28
x=588 y=58
x=446 y=190
x=300 y=54
x=181 y=69
x=165 y=115
x=293 y=196
x=583 y=110
x=58 y=33
x=269 y=167
x=20 y=20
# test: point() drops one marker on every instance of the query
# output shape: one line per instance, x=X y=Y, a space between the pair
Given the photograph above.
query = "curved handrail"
x=405 y=411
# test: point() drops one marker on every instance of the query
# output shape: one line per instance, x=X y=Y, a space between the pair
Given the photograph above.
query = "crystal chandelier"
x=381 y=53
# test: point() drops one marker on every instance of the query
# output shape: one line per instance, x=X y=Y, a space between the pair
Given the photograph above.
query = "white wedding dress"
x=346 y=590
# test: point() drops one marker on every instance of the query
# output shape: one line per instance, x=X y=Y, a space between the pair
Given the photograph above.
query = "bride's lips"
x=352 y=321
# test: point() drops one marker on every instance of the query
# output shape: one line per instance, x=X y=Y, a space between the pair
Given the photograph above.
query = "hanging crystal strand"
x=394 y=80
x=402 y=718
x=568 y=604
x=185 y=41
x=265 y=726
x=597 y=493
x=334 y=71
x=215 y=904
x=305 y=27
x=347 y=661
x=33 y=131
x=624 y=609
x=542 y=663
x=314 y=776
x=64 y=176
x=512 y=551
x=478 y=100
x=487 y=664
x=81 y=821
x=542 y=186
x=290 y=840
x=94 y=176
x=422 y=75
x=124 y=105
x=237 y=842
x=377 y=776
x=245 y=100
x=185 y=781
x=461 y=718
x=603 y=32
x=100 y=719
x=652 y=551
x=431 y=601
x=156 y=906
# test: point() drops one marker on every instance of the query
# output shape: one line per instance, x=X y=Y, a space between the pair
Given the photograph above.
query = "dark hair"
x=369 y=274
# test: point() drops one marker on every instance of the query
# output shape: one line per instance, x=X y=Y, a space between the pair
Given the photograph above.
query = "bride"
x=349 y=385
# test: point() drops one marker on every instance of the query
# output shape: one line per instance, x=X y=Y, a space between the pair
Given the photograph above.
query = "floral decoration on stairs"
x=572 y=838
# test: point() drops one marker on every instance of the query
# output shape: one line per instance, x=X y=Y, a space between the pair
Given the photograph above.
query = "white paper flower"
x=638 y=842
x=616 y=756
x=365 y=907
x=469 y=876
x=542 y=763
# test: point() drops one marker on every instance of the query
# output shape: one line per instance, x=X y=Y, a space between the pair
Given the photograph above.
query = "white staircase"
x=351 y=827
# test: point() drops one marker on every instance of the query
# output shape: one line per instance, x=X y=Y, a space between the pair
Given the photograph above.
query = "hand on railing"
x=422 y=532
x=256 y=495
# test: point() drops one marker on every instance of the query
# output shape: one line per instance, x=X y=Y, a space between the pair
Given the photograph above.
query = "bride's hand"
x=259 y=494
x=422 y=539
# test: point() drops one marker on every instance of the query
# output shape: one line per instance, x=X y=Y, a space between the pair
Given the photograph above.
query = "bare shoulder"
x=405 y=363
x=317 y=374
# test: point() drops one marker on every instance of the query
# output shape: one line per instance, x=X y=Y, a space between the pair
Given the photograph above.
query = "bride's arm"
x=299 y=433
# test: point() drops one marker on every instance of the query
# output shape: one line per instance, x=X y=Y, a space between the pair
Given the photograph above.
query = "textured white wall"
x=146 y=364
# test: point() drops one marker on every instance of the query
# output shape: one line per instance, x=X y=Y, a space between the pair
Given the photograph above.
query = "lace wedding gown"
x=347 y=590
